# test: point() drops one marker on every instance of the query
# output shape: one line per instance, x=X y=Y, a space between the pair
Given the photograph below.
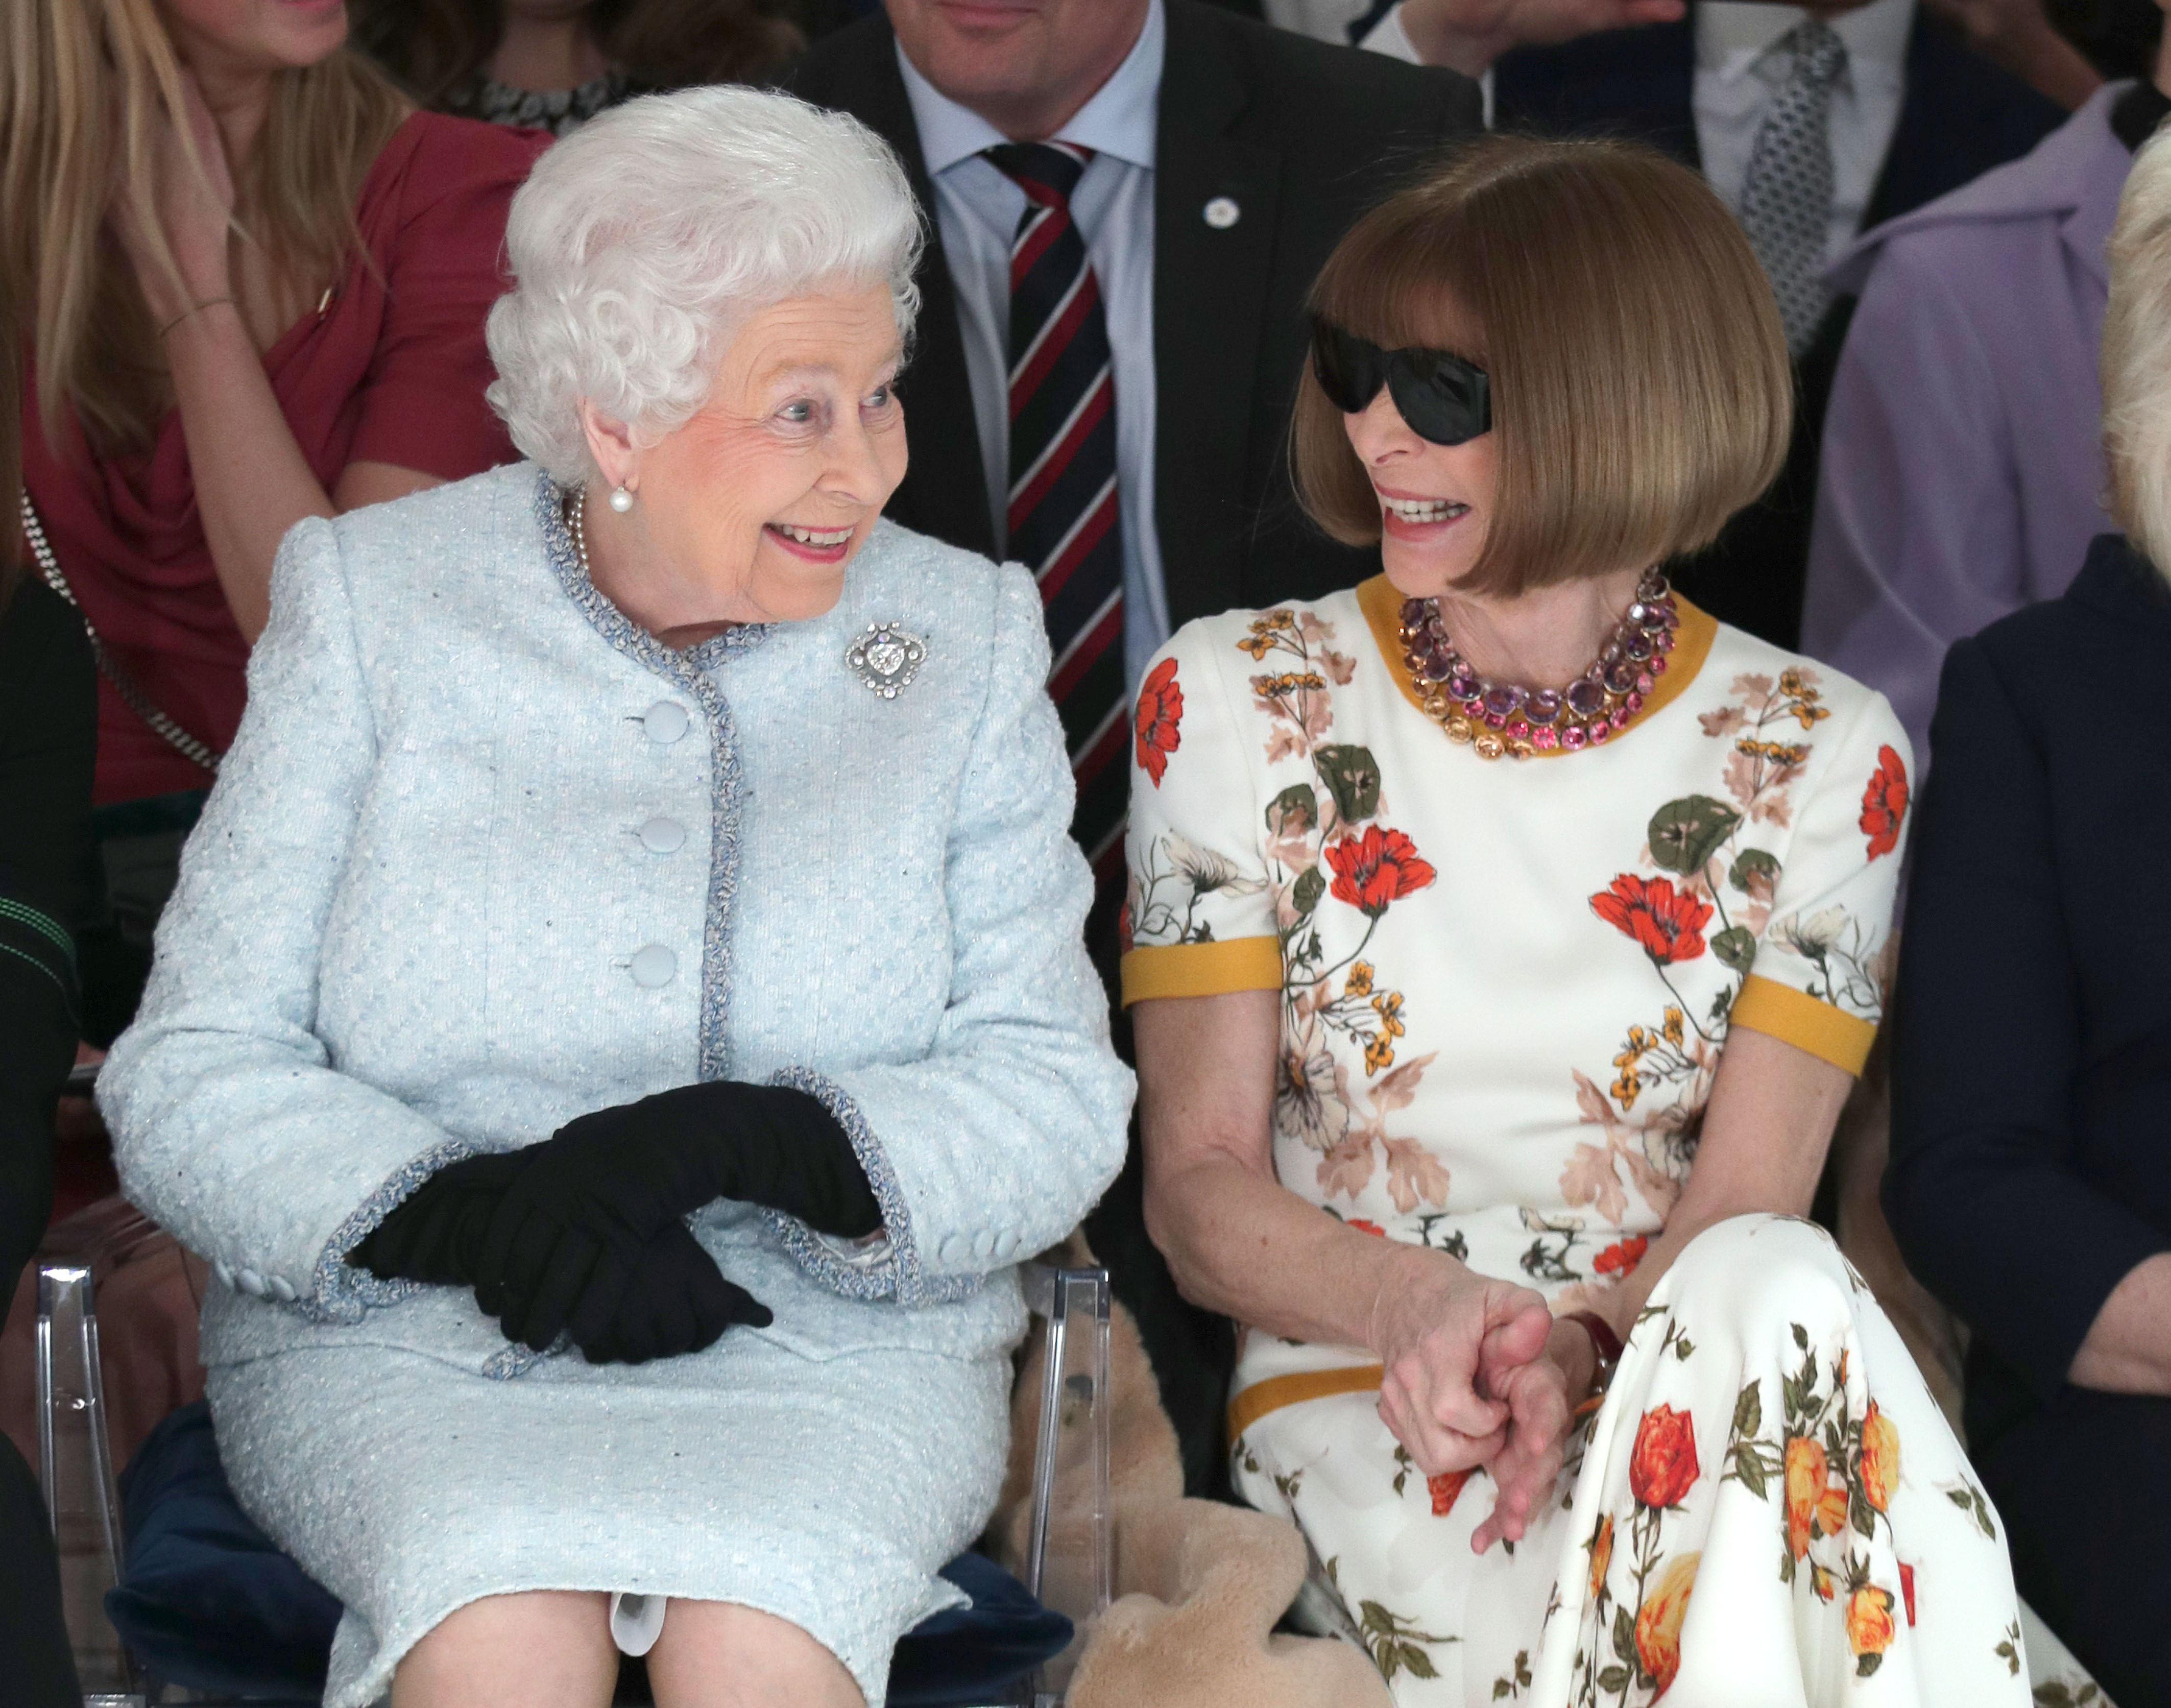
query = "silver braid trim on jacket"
x=689 y=672
x=342 y=1292
x=900 y=1275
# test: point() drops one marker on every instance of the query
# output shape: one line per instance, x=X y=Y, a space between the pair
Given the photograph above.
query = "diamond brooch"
x=886 y=658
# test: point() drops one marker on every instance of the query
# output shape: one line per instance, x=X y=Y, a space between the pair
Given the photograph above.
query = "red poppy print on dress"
x=1885 y=803
x=1445 y=1490
x=1619 y=1260
x=1363 y=1227
x=1377 y=867
x=1667 y=923
x=1160 y=710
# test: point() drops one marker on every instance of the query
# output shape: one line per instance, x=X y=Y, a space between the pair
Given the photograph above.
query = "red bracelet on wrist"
x=1604 y=1343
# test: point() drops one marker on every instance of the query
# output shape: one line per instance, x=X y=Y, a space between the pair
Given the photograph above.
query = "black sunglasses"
x=1440 y=396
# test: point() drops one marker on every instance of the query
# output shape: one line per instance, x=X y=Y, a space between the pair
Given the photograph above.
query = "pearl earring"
x=621 y=501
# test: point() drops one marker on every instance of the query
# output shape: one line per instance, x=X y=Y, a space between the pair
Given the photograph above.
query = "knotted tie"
x=1063 y=501
x=1787 y=198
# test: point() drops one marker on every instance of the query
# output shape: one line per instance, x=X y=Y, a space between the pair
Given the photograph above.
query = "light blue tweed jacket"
x=484 y=856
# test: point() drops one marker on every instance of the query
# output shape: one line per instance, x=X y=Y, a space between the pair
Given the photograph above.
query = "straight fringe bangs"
x=2137 y=357
x=69 y=64
x=1641 y=388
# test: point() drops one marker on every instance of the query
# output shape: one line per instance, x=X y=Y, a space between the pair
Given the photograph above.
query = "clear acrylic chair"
x=1068 y=1552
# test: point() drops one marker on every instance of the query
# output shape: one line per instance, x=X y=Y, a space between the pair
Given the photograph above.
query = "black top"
x=48 y=742
x=2031 y=1122
x=2135 y=115
x=1303 y=137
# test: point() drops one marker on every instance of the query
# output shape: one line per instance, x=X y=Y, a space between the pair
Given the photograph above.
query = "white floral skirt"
x=1768 y=1508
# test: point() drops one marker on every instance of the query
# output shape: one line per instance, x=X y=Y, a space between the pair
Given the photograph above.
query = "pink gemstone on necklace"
x=1601 y=733
x=1657 y=667
x=1645 y=683
x=1544 y=737
x=1573 y=738
x=1618 y=717
x=1636 y=700
x=1518 y=726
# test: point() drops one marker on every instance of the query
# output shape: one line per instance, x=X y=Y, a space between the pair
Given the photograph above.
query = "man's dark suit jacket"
x=1303 y=137
x=1961 y=115
x=2031 y=1078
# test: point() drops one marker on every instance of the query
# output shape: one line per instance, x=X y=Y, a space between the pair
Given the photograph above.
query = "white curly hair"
x=2135 y=357
x=641 y=242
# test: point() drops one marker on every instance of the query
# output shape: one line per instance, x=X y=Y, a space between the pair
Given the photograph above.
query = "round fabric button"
x=654 y=966
x=663 y=836
x=251 y=1282
x=1222 y=212
x=665 y=721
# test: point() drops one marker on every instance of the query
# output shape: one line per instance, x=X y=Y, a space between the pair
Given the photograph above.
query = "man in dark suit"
x=1130 y=198
x=1943 y=116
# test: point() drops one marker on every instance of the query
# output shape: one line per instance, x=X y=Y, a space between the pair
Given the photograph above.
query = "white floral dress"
x=1505 y=987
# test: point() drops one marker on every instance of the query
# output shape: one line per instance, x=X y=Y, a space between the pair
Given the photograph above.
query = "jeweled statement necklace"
x=1500 y=719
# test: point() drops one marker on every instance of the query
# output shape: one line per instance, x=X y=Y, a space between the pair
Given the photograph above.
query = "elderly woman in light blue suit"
x=623 y=1015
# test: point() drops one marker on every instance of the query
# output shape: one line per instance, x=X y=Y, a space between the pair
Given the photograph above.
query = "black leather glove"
x=660 y=1299
x=434 y=1233
x=616 y=1178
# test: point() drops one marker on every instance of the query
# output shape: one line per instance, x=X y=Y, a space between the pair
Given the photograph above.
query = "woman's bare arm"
x=1766 y=1131
x=1238 y=1242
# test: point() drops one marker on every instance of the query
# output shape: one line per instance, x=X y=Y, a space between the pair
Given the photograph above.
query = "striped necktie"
x=1062 y=499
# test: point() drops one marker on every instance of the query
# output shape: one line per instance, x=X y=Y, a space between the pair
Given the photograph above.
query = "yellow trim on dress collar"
x=1382 y=606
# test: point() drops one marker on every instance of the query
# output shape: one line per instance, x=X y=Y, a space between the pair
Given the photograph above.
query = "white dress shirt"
x=977 y=211
x=1738 y=72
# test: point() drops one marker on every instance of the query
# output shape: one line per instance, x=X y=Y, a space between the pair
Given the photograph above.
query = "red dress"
x=391 y=370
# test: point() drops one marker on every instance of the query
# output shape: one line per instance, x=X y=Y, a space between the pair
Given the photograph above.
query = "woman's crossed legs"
x=553 y=1649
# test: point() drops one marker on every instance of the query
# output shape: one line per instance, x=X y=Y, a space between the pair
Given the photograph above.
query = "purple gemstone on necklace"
x=1661 y=617
x=1574 y=739
x=1414 y=612
x=1586 y=696
x=1639 y=613
x=1501 y=702
x=1438 y=665
x=1620 y=677
x=1545 y=706
x=1639 y=646
x=1465 y=686
x=1544 y=738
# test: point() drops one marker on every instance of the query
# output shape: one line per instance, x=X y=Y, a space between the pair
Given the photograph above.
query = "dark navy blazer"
x=2031 y=1130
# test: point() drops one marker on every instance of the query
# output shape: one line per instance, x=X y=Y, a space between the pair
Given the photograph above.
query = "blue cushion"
x=206 y=1602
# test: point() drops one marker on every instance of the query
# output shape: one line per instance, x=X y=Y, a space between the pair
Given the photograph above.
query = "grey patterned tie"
x=1787 y=198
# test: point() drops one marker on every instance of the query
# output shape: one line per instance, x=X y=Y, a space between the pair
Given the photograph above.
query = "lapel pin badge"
x=1222 y=212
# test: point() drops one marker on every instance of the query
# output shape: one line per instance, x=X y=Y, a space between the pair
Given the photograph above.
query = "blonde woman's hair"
x=1641 y=389
x=2136 y=360
x=69 y=64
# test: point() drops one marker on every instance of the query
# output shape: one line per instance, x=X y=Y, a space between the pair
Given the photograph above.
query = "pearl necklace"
x=579 y=508
x=1503 y=719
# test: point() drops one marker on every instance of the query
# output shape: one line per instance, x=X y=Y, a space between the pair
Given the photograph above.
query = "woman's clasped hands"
x=1478 y=1374
x=584 y=1236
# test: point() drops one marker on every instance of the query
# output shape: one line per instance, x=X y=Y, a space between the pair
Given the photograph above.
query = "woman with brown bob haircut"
x=1532 y=925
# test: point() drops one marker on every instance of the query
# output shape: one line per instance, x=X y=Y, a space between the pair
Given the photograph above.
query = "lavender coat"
x=1962 y=471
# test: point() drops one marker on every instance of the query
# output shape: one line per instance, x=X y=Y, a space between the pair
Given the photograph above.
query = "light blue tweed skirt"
x=826 y=1492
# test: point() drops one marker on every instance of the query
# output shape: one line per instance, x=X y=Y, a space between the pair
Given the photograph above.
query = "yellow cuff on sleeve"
x=1202 y=969
x=1793 y=1017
